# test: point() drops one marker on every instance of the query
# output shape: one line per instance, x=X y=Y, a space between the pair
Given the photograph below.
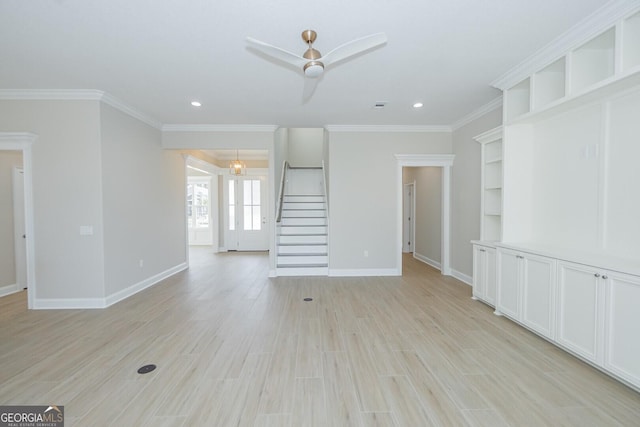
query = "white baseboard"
x=272 y=274
x=8 y=290
x=134 y=289
x=86 y=303
x=67 y=303
x=426 y=260
x=363 y=272
x=462 y=277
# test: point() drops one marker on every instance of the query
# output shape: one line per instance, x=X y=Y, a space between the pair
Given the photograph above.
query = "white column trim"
x=22 y=141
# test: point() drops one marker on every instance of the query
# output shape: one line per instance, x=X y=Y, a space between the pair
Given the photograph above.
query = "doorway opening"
x=445 y=162
x=20 y=200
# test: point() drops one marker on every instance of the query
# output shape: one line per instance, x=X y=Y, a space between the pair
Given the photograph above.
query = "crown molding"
x=219 y=128
x=77 y=95
x=387 y=128
x=51 y=94
x=477 y=113
x=599 y=21
x=127 y=109
x=490 y=135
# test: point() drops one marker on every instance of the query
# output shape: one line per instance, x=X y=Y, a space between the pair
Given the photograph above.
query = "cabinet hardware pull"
x=597 y=274
x=482 y=250
x=605 y=277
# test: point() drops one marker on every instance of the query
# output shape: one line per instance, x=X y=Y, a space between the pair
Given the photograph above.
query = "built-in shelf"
x=549 y=84
x=631 y=42
x=606 y=64
x=491 y=184
x=594 y=61
x=518 y=99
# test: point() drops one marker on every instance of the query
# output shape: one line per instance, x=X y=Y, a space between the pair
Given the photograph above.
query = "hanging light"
x=236 y=167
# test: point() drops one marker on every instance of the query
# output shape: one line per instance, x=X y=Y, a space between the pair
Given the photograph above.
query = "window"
x=251 y=203
x=232 y=205
x=198 y=205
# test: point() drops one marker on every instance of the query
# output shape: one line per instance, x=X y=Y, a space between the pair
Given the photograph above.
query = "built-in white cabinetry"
x=580 y=310
x=484 y=273
x=568 y=241
x=526 y=289
x=622 y=325
x=598 y=317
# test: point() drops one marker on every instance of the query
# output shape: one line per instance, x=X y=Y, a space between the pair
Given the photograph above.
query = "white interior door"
x=247 y=211
x=19 y=234
x=408 y=218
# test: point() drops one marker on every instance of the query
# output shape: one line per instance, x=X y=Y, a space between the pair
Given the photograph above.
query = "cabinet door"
x=479 y=273
x=622 y=316
x=538 y=294
x=508 y=283
x=491 y=281
x=579 y=309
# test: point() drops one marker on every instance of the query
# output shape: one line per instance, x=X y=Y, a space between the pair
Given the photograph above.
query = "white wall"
x=306 y=147
x=365 y=193
x=465 y=194
x=143 y=200
x=8 y=160
x=67 y=193
x=428 y=219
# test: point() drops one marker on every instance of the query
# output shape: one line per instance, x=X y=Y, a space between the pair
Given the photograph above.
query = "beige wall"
x=305 y=147
x=465 y=183
x=8 y=161
x=365 y=192
x=67 y=193
x=143 y=201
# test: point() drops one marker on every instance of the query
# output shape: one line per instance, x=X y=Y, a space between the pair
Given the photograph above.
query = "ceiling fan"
x=312 y=62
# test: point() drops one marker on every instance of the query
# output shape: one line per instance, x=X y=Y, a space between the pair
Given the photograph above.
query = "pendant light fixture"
x=236 y=167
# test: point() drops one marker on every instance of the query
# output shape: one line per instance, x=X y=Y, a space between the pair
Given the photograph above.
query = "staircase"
x=302 y=230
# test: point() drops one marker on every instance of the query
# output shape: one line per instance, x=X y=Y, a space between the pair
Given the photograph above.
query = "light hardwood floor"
x=236 y=348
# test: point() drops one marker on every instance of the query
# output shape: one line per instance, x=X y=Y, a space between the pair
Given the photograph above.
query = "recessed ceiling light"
x=196 y=103
x=418 y=105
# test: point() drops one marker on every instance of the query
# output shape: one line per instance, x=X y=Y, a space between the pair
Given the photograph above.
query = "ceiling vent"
x=380 y=105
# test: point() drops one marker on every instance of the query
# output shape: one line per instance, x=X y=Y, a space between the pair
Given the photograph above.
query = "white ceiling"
x=158 y=55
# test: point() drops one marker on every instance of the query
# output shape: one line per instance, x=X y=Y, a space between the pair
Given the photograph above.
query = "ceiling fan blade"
x=277 y=53
x=310 y=84
x=354 y=47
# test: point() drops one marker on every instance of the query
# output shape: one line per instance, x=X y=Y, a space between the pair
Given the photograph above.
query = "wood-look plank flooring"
x=234 y=347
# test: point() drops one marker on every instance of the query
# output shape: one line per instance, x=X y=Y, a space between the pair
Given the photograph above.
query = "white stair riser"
x=302 y=249
x=298 y=199
x=302 y=271
x=295 y=205
x=300 y=213
x=304 y=221
x=302 y=259
x=302 y=239
x=319 y=229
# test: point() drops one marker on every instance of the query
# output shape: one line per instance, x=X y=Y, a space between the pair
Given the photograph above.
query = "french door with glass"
x=246 y=213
